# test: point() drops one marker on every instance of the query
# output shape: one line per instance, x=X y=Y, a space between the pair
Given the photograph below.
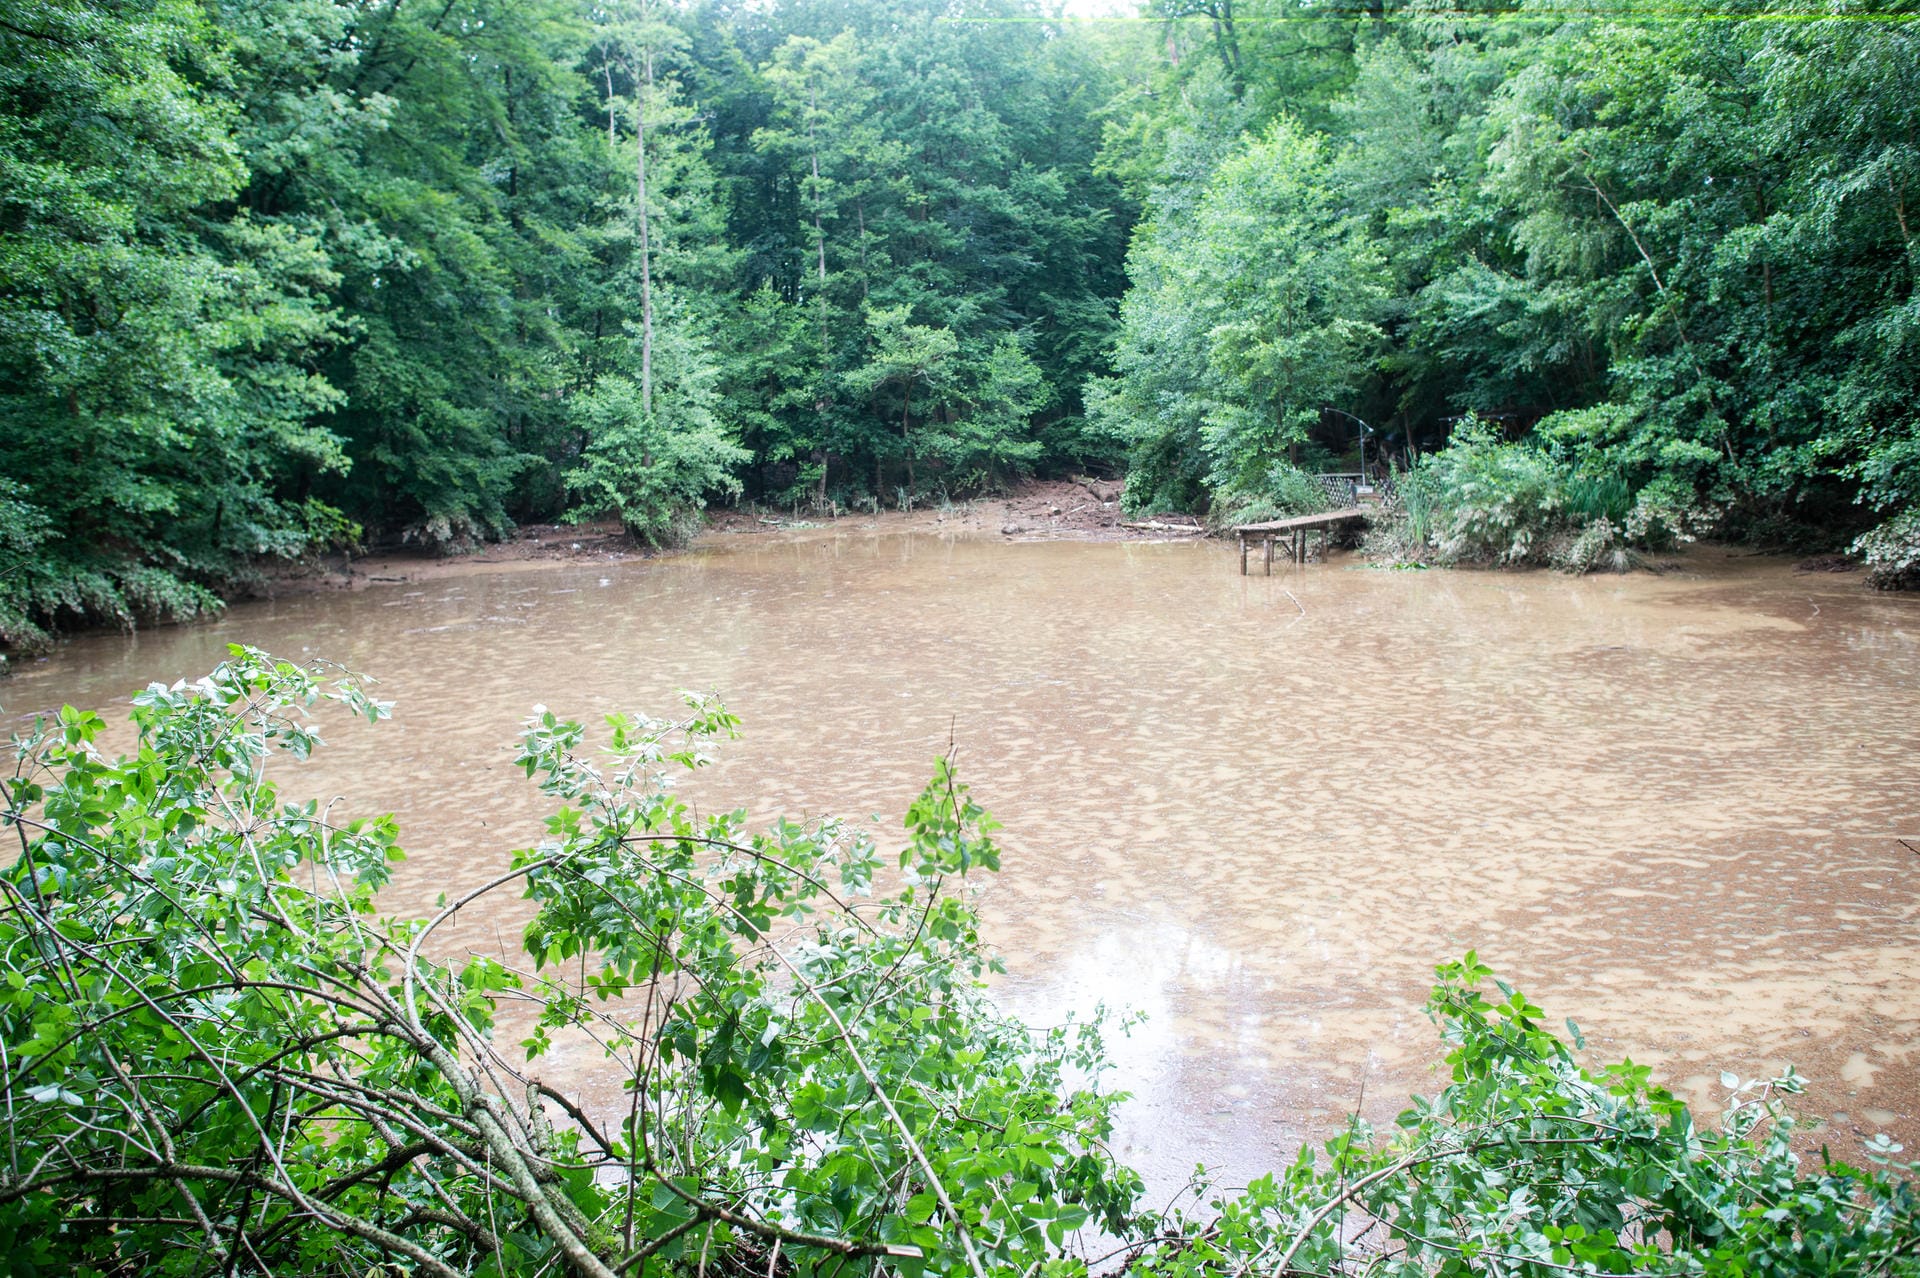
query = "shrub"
x=652 y=469
x=1598 y=547
x=1486 y=501
x=1529 y=1164
x=1296 y=492
x=219 y=1055
x=50 y=581
x=1399 y=534
x=1593 y=494
x=1288 y=491
x=1892 y=553
x=40 y=595
x=1668 y=513
x=1482 y=500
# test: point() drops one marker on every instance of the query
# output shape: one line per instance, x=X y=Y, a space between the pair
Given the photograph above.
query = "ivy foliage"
x=221 y=1058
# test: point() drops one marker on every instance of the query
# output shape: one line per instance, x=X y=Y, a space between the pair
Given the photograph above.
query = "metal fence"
x=1346 y=488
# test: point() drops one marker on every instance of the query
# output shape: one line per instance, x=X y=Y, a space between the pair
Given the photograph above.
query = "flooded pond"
x=1257 y=809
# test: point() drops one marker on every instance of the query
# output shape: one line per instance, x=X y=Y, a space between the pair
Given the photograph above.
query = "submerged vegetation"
x=222 y=1060
x=281 y=277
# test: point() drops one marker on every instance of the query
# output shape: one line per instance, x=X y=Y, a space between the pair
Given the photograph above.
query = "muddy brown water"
x=1256 y=809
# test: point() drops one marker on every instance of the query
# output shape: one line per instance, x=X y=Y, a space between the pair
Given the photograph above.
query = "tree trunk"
x=1766 y=271
x=906 y=403
x=646 y=248
x=820 y=247
x=1227 y=41
x=813 y=154
x=612 y=138
x=1900 y=220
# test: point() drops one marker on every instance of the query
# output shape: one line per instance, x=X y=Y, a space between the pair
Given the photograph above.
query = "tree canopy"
x=1670 y=253
x=280 y=277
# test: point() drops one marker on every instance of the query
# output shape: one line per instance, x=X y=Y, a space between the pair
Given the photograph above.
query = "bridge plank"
x=1325 y=520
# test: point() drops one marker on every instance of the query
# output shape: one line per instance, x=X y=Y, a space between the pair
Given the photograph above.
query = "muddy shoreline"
x=1082 y=509
x=1039 y=510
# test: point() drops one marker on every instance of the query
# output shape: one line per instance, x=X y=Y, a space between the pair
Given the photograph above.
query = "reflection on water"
x=1258 y=810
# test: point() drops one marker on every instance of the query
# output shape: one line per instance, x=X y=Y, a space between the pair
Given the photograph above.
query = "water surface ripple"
x=1258 y=810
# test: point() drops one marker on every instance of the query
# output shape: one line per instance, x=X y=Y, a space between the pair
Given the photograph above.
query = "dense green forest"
x=1661 y=270
x=284 y=276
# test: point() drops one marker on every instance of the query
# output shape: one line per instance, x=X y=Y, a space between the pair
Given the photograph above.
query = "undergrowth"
x=1483 y=500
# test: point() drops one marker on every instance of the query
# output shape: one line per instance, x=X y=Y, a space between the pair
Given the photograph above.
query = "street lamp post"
x=1365 y=430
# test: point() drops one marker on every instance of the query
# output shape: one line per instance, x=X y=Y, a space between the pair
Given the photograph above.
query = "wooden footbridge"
x=1294 y=533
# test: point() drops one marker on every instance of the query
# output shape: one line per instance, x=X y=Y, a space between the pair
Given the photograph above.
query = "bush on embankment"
x=1284 y=491
x=221 y=1059
x=1892 y=553
x=1485 y=500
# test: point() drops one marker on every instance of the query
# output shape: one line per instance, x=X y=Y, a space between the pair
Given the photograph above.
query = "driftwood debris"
x=1101 y=490
x=1154 y=525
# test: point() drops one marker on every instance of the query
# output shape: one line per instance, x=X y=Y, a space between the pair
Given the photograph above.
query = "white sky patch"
x=1099 y=9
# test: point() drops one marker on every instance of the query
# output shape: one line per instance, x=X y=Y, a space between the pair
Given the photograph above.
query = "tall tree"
x=1675 y=256
x=656 y=442
x=157 y=350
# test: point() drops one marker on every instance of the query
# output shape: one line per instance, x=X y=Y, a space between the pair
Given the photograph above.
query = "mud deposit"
x=1257 y=810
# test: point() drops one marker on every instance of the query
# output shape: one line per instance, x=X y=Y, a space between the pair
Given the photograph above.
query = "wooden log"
x=1154 y=525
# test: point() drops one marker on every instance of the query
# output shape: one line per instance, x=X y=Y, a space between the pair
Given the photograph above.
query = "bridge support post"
x=1243 y=554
